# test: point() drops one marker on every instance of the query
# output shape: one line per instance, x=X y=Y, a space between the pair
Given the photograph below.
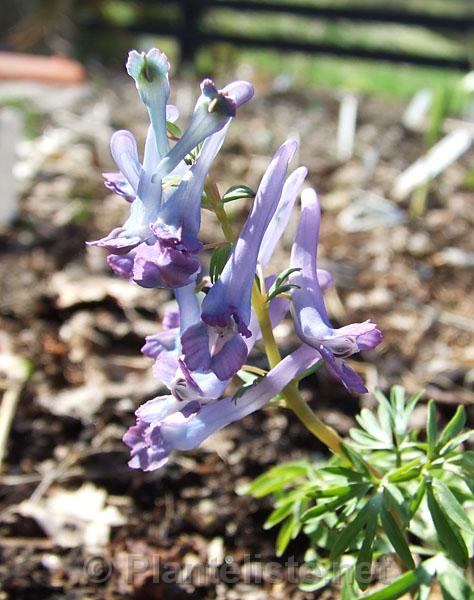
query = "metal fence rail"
x=192 y=33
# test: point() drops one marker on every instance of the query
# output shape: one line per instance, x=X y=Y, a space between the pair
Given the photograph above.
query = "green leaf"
x=247 y=376
x=279 y=514
x=237 y=192
x=456 y=441
x=348 y=474
x=454 y=585
x=275 y=479
x=403 y=584
x=289 y=530
x=316 y=584
x=449 y=535
x=465 y=462
x=454 y=427
x=393 y=495
x=408 y=471
x=397 y=400
x=347 y=588
x=246 y=386
x=412 y=402
x=279 y=286
x=284 y=535
x=355 y=459
x=173 y=129
x=365 y=440
x=218 y=261
x=367 y=421
x=431 y=428
x=384 y=413
x=396 y=537
x=283 y=276
x=350 y=533
x=364 y=558
x=318 y=510
x=280 y=290
x=330 y=492
x=450 y=505
x=418 y=497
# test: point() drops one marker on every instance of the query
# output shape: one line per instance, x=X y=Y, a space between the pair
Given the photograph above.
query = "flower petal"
x=158 y=408
x=160 y=265
x=212 y=112
x=230 y=358
x=152 y=444
x=116 y=182
x=279 y=222
x=195 y=344
x=125 y=154
x=234 y=287
x=240 y=92
x=150 y=72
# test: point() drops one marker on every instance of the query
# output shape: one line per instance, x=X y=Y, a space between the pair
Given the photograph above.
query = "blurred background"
x=381 y=98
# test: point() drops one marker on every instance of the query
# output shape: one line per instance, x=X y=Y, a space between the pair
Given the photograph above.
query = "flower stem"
x=271 y=348
x=327 y=435
x=213 y=194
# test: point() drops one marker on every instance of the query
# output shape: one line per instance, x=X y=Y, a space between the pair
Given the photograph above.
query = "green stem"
x=213 y=194
x=271 y=348
x=327 y=435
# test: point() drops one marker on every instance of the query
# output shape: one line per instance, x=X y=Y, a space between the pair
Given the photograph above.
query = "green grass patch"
x=366 y=77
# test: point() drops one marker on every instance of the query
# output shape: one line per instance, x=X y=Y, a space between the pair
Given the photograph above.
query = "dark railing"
x=192 y=33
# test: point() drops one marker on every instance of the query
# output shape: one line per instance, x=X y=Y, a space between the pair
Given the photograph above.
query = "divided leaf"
x=274 y=480
x=352 y=530
x=449 y=535
x=237 y=192
x=173 y=130
x=454 y=427
x=279 y=286
x=364 y=558
x=396 y=537
x=322 y=508
x=219 y=259
x=450 y=505
x=431 y=428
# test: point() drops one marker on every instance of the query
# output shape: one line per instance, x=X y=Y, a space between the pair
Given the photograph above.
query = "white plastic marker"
x=415 y=113
x=11 y=126
x=346 y=127
x=434 y=162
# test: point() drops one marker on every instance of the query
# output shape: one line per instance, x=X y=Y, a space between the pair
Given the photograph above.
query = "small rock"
x=370 y=212
x=419 y=244
x=454 y=257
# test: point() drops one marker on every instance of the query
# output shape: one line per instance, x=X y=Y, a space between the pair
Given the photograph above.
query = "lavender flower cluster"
x=206 y=342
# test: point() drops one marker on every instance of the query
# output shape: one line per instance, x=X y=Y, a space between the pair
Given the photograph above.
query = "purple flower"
x=309 y=312
x=117 y=182
x=150 y=72
x=214 y=109
x=154 y=437
x=156 y=246
x=165 y=348
x=144 y=208
x=279 y=222
x=162 y=253
x=216 y=343
x=169 y=261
